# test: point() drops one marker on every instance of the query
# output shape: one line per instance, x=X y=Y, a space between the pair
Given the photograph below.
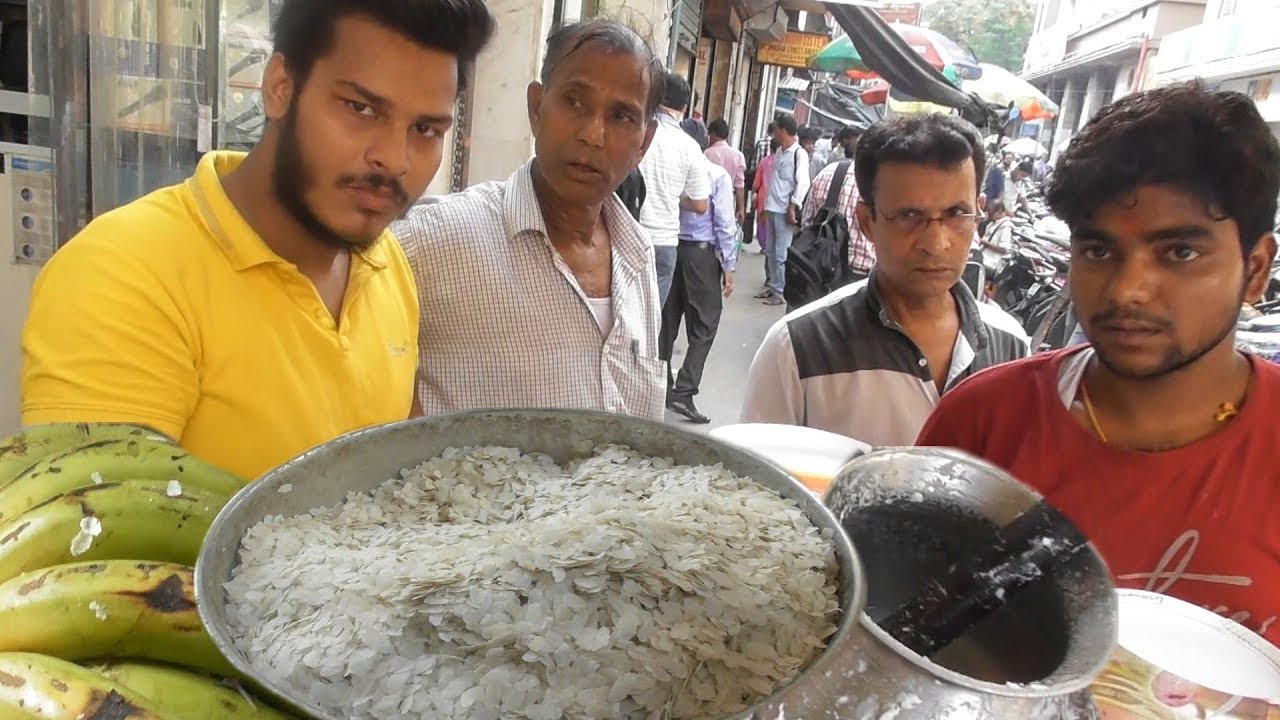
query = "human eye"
x=1182 y=253
x=427 y=130
x=1091 y=251
x=359 y=108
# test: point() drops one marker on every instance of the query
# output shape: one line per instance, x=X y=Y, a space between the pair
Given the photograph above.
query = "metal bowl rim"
x=847 y=624
x=1027 y=691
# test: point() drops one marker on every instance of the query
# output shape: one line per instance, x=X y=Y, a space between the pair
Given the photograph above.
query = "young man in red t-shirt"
x=1158 y=439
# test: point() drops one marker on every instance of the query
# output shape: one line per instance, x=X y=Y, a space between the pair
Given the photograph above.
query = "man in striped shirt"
x=862 y=254
x=539 y=291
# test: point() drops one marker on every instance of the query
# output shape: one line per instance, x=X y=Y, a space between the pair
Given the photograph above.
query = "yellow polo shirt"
x=172 y=312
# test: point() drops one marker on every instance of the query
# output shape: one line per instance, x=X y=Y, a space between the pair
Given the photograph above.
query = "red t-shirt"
x=1196 y=523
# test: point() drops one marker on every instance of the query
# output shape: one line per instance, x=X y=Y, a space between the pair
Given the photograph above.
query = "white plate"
x=1198 y=645
x=813 y=456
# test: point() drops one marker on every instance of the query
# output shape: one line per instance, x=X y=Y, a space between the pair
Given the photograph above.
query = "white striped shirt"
x=504 y=321
x=673 y=167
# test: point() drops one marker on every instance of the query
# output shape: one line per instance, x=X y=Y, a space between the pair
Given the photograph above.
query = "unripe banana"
x=39 y=686
x=131 y=521
x=111 y=461
x=24 y=449
x=108 y=609
x=180 y=693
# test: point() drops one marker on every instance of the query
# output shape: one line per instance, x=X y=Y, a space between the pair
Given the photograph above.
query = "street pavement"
x=742 y=327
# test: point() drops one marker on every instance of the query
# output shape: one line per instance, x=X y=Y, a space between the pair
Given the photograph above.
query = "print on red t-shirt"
x=1194 y=522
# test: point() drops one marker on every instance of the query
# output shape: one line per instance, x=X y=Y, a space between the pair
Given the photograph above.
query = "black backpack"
x=818 y=260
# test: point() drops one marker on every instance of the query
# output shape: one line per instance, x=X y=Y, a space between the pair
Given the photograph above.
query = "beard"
x=1175 y=358
x=291 y=179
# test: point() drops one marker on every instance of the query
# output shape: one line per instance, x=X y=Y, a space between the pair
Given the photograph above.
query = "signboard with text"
x=792 y=51
x=905 y=13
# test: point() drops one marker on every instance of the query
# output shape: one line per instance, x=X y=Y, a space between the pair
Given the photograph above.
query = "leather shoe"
x=685 y=407
x=766 y=293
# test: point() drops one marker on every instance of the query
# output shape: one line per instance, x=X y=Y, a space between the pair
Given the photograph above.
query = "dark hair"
x=719 y=129
x=1213 y=145
x=996 y=206
x=936 y=140
x=773 y=125
x=773 y=145
x=787 y=124
x=1027 y=166
x=611 y=36
x=304 y=30
x=676 y=91
x=846 y=132
x=695 y=130
x=809 y=132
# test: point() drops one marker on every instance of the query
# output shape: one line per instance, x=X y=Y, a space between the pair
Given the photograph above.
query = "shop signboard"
x=792 y=51
x=905 y=13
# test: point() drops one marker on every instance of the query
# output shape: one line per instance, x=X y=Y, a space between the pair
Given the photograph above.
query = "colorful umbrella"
x=939 y=50
x=1001 y=87
x=1025 y=147
x=838 y=56
x=876 y=93
x=948 y=71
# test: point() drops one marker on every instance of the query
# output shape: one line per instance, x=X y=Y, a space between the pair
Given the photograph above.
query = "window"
x=564 y=12
x=1051 y=10
x=1227 y=8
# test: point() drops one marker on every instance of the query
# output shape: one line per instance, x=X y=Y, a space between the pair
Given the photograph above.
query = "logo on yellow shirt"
x=397 y=349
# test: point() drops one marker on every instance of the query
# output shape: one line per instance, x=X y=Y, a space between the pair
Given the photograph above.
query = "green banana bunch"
x=20 y=451
x=178 y=693
x=111 y=461
x=135 y=521
x=108 y=609
x=39 y=686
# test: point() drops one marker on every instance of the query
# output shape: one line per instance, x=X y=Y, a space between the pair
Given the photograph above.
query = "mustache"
x=377 y=182
x=1120 y=315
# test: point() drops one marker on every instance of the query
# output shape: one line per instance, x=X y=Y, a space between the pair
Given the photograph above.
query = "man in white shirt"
x=787 y=190
x=539 y=291
x=675 y=176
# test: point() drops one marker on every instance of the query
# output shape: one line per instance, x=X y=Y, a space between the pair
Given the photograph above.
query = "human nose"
x=389 y=153
x=1131 y=281
x=591 y=131
x=933 y=237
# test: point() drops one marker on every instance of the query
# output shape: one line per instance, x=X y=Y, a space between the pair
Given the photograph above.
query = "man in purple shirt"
x=705 y=260
x=732 y=160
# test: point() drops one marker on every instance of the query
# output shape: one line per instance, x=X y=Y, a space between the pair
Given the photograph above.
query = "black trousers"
x=696 y=298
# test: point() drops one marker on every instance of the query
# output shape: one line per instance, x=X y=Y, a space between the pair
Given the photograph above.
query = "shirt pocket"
x=647 y=390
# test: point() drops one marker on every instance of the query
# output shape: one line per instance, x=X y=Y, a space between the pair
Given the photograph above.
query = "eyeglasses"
x=911 y=222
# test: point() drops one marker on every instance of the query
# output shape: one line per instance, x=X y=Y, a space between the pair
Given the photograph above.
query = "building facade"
x=1236 y=46
x=1085 y=53
x=712 y=43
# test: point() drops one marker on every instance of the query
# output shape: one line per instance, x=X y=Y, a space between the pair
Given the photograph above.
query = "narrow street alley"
x=742 y=327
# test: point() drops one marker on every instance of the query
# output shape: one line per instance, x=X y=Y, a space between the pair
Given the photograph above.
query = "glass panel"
x=245 y=46
x=147 y=94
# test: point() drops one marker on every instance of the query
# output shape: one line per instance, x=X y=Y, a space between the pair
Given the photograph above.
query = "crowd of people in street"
x=281 y=298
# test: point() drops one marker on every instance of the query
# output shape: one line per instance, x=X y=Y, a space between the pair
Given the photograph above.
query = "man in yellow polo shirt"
x=261 y=307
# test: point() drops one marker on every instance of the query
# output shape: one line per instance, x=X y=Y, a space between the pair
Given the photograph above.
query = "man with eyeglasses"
x=872 y=359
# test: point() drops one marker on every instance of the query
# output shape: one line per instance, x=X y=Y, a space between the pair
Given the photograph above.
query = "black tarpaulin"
x=843 y=105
